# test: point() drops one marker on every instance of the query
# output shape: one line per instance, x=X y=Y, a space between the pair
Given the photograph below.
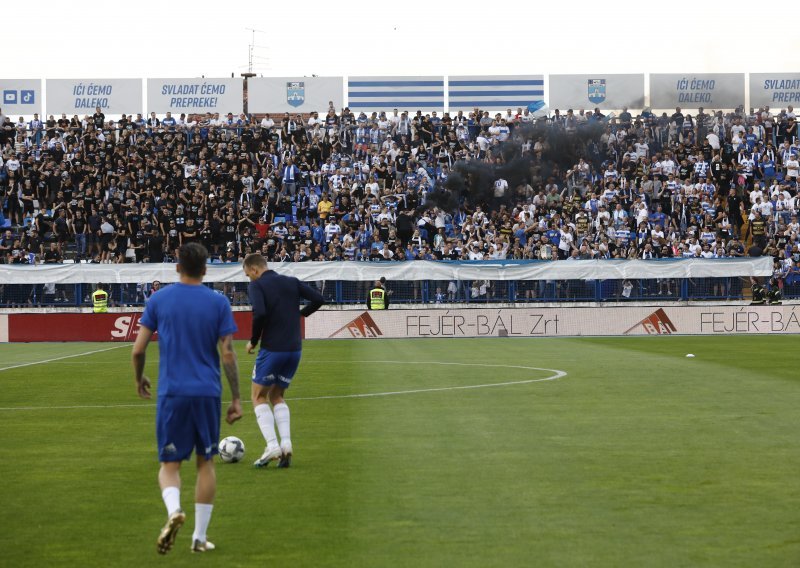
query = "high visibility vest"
x=100 y=301
x=377 y=299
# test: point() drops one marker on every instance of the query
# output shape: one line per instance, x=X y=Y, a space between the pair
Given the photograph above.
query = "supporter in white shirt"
x=393 y=152
x=756 y=193
x=667 y=166
x=331 y=230
x=792 y=167
x=267 y=123
x=766 y=208
x=189 y=169
x=494 y=130
x=503 y=132
x=384 y=124
x=336 y=182
x=642 y=148
x=479 y=217
x=483 y=142
x=565 y=241
x=641 y=214
x=657 y=235
x=328 y=168
x=12 y=164
x=738 y=131
x=372 y=188
x=385 y=214
x=713 y=140
x=474 y=253
x=776 y=189
x=500 y=187
x=498 y=250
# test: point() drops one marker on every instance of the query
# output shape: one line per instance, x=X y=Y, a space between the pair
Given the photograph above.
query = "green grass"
x=638 y=457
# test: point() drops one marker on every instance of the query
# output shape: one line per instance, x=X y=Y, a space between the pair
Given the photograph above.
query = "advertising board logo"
x=657 y=323
x=361 y=327
x=21 y=97
x=126 y=328
x=295 y=93
x=597 y=90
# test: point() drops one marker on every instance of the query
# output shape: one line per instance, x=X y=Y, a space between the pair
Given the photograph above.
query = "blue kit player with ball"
x=276 y=325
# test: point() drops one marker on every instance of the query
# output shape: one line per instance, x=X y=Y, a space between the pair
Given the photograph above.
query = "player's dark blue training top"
x=276 y=317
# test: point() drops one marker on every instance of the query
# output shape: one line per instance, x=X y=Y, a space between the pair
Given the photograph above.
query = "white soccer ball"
x=231 y=449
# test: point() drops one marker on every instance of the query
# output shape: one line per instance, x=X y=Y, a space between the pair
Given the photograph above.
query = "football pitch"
x=442 y=452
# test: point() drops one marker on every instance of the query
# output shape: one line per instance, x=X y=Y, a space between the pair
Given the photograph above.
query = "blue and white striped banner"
x=402 y=93
x=495 y=92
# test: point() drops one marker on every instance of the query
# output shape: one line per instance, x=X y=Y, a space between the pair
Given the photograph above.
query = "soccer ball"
x=231 y=449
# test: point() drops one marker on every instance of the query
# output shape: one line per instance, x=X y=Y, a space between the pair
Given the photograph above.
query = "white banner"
x=195 y=96
x=712 y=91
x=775 y=90
x=494 y=92
x=598 y=90
x=413 y=270
x=295 y=94
x=82 y=96
x=552 y=322
x=403 y=93
x=21 y=97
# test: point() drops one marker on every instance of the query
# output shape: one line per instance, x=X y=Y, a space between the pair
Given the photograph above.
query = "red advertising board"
x=91 y=327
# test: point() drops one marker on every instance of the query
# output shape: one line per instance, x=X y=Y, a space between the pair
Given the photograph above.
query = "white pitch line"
x=557 y=375
x=64 y=357
x=392 y=393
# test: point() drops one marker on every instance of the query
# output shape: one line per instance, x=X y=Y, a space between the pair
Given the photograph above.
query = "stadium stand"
x=407 y=186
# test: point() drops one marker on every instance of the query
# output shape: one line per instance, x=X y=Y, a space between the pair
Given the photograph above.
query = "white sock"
x=172 y=499
x=267 y=424
x=202 y=516
x=281 y=411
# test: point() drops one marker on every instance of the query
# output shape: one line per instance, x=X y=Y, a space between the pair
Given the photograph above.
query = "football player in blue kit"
x=276 y=325
x=191 y=320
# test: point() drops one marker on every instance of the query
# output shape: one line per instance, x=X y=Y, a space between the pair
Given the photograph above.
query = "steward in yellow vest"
x=377 y=299
x=100 y=300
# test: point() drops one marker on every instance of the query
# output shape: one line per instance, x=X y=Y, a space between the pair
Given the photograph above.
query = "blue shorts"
x=186 y=423
x=276 y=367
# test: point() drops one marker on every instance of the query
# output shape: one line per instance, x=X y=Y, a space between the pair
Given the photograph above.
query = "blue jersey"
x=190 y=320
x=276 y=310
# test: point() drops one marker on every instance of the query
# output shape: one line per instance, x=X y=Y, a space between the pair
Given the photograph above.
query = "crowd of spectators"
x=347 y=186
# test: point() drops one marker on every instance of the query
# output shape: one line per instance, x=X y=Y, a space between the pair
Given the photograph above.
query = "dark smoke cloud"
x=471 y=182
